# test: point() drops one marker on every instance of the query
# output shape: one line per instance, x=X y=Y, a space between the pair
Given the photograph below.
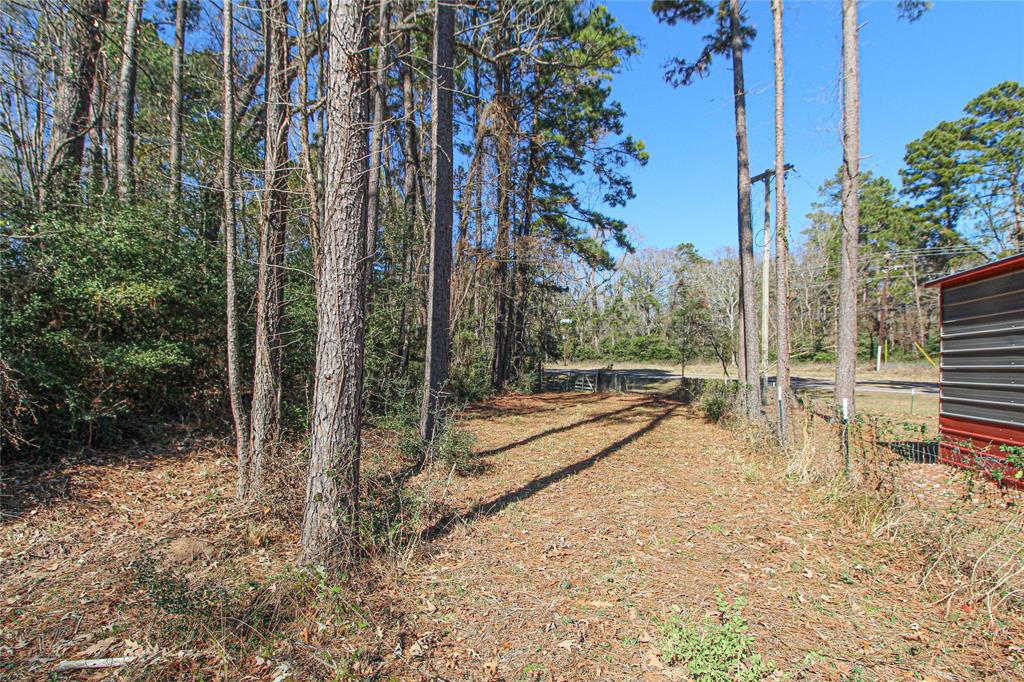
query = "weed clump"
x=453 y=448
x=173 y=593
x=715 y=652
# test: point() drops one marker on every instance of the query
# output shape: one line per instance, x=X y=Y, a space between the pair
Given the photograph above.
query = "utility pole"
x=766 y=177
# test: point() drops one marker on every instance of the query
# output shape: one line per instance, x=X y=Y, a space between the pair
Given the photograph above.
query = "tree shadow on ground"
x=603 y=416
x=538 y=403
x=444 y=525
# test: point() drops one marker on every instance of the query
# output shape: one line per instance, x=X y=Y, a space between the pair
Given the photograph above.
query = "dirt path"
x=601 y=516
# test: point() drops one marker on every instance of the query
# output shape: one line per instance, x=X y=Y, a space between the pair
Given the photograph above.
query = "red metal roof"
x=996 y=267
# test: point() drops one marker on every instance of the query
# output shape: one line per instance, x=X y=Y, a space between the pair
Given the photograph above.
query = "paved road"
x=641 y=376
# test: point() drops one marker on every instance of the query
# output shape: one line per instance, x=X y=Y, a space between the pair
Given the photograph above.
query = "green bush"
x=471 y=381
x=110 y=317
x=453 y=447
x=175 y=594
x=718 y=399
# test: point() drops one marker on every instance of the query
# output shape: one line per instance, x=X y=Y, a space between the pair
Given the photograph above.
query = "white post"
x=878 y=362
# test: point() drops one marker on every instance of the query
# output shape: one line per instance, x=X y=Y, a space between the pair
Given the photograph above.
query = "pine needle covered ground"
x=599 y=537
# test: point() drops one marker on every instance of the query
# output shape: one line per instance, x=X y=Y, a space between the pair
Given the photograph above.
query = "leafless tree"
x=781 y=238
x=239 y=412
x=71 y=121
x=377 y=133
x=124 y=134
x=177 y=73
x=266 y=393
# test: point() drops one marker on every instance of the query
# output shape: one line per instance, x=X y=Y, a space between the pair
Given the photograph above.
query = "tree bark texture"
x=239 y=412
x=266 y=393
x=435 y=378
x=781 y=240
x=377 y=136
x=330 y=518
x=177 y=75
x=310 y=169
x=748 y=340
x=409 y=184
x=846 y=323
x=70 y=121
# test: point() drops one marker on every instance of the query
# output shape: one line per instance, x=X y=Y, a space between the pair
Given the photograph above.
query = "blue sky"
x=912 y=77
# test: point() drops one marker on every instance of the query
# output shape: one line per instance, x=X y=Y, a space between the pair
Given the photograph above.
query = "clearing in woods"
x=595 y=519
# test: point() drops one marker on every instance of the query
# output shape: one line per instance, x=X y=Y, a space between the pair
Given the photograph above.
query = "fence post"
x=846 y=437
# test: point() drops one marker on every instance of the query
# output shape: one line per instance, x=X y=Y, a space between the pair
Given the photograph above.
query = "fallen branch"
x=93 y=663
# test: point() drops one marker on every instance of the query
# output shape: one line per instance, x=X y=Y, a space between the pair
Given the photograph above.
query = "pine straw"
x=597 y=517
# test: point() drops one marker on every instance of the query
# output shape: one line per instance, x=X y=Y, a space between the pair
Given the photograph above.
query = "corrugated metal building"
x=981 y=385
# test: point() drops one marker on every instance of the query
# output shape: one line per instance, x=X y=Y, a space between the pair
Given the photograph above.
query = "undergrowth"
x=718 y=399
x=712 y=651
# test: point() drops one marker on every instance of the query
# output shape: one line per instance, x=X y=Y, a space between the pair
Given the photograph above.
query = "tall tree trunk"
x=177 y=74
x=435 y=377
x=309 y=168
x=70 y=121
x=846 y=332
x=266 y=392
x=1018 y=221
x=409 y=185
x=502 y=252
x=97 y=143
x=239 y=412
x=748 y=341
x=125 y=133
x=781 y=240
x=523 y=243
x=329 y=523
x=376 y=137
x=766 y=259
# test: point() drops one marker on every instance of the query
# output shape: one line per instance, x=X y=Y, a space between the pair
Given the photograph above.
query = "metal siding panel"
x=996 y=359
x=991 y=413
x=995 y=307
x=982 y=375
x=982 y=368
x=980 y=342
x=1001 y=286
x=974 y=324
x=1009 y=396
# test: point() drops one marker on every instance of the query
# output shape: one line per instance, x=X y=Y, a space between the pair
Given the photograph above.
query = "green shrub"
x=715 y=651
x=111 y=317
x=389 y=514
x=471 y=381
x=453 y=447
x=718 y=399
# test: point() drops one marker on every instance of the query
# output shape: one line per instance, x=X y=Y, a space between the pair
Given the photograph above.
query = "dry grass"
x=968 y=530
